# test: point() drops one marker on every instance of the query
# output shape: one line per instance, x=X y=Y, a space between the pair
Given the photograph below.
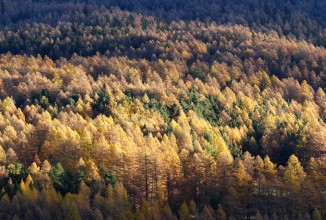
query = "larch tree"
x=146 y=210
x=294 y=177
x=223 y=172
x=269 y=174
x=207 y=214
x=11 y=156
x=44 y=179
x=294 y=174
x=121 y=203
x=3 y=157
x=259 y=173
x=242 y=183
x=259 y=216
x=184 y=213
x=220 y=214
x=316 y=215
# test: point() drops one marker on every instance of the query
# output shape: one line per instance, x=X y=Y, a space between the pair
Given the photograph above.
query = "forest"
x=138 y=109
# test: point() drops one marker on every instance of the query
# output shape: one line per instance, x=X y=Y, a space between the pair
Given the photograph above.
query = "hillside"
x=162 y=109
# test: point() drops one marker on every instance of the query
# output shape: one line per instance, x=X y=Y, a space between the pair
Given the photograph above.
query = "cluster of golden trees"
x=169 y=136
x=302 y=19
x=246 y=186
x=197 y=45
x=185 y=119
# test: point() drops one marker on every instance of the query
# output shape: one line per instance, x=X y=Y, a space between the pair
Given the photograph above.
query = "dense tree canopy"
x=143 y=111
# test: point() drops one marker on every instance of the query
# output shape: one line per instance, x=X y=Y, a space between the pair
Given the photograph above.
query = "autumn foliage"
x=114 y=114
